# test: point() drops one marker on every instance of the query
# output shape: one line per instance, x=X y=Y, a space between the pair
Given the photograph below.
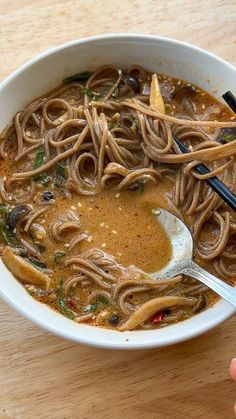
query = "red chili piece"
x=71 y=303
x=157 y=317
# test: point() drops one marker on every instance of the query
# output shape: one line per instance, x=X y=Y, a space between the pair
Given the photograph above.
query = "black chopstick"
x=230 y=99
x=219 y=187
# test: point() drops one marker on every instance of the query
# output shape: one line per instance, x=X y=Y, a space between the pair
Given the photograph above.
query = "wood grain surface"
x=42 y=376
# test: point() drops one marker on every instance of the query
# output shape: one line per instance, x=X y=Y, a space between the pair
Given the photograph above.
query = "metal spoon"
x=182 y=263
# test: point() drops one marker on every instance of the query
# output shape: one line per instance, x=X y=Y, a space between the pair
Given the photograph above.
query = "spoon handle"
x=220 y=287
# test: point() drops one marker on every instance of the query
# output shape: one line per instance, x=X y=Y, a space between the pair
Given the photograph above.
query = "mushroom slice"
x=156 y=99
x=23 y=270
x=148 y=309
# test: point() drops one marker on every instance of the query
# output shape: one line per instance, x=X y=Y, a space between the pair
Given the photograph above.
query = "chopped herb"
x=58 y=256
x=6 y=235
x=140 y=187
x=61 y=303
x=116 y=92
x=91 y=308
x=39 y=161
x=92 y=95
x=84 y=76
x=37 y=263
x=48 y=195
x=61 y=175
x=228 y=138
x=103 y=300
x=3 y=209
x=61 y=170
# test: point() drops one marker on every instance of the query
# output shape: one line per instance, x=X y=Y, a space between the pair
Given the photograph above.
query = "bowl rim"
x=106 y=343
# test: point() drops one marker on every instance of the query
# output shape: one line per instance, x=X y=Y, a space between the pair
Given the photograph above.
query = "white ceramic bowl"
x=46 y=71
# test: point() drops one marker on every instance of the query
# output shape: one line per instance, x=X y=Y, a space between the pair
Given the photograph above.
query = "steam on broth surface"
x=83 y=168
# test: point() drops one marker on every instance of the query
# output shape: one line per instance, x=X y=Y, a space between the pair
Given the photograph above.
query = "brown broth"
x=121 y=224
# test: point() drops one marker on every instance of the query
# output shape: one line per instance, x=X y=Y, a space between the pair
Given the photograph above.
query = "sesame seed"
x=89 y=239
x=203 y=106
x=179 y=82
x=119 y=254
x=120 y=209
x=203 y=94
x=90 y=209
x=114 y=231
x=102 y=224
x=232 y=118
x=107 y=226
x=117 y=195
x=156 y=212
x=103 y=245
x=79 y=204
x=67 y=244
x=73 y=207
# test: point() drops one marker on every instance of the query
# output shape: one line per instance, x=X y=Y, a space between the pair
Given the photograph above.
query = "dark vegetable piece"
x=37 y=263
x=132 y=82
x=48 y=195
x=58 y=256
x=39 y=161
x=114 y=320
x=61 y=303
x=84 y=76
x=201 y=304
x=167 y=312
x=16 y=214
x=157 y=317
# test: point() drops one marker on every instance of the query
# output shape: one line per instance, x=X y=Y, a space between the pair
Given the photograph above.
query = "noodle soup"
x=82 y=170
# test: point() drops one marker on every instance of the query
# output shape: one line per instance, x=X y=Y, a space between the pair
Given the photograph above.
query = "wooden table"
x=42 y=376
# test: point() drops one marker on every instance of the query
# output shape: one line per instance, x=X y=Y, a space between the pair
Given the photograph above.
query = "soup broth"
x=84 y=167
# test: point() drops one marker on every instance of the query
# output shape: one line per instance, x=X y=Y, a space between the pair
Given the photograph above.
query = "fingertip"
x=235 y=408
x=232 y=369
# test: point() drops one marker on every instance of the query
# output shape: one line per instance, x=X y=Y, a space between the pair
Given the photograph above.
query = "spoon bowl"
x=182 y=252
